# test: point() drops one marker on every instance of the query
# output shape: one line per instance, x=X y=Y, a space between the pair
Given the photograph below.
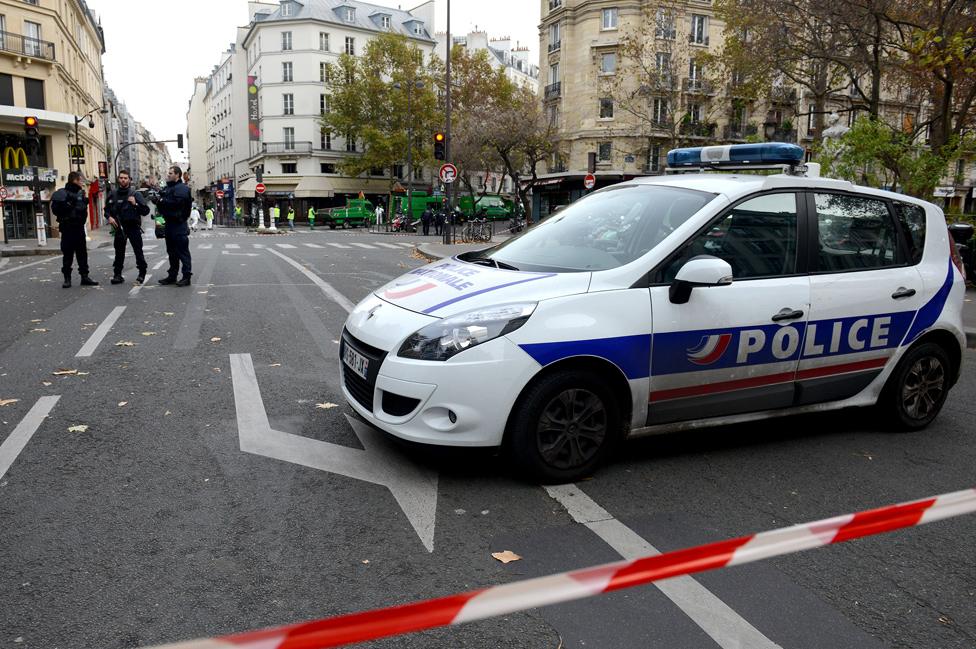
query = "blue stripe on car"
x=929 y=314
x=630 y=353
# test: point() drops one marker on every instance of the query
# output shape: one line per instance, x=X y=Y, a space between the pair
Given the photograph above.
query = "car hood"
x=451 y=286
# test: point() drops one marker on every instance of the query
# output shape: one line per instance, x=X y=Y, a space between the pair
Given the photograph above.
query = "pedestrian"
x=194 y=218
x=291 y=218
x=237 y=215
x=426 y=218
x=70 y=205
x=311 y=217
x=439 y=222
x=379 y=215
x=175 y=206
x=124 y=209
x=209 y=216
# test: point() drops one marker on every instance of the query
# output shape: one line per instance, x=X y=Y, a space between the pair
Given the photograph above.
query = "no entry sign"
x=589 y=181
x=259 y=188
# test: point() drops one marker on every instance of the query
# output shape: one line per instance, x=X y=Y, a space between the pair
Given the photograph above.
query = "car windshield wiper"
x=488 y=261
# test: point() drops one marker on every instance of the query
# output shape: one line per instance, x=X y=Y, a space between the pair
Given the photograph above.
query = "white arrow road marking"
x=327 y=288
x=240 y=254
x=18 y=439
x=413 y=487
x=726 y=627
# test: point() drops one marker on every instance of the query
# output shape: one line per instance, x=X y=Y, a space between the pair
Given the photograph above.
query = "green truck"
x=357 y=212
x=490 y=206
x=419 y=201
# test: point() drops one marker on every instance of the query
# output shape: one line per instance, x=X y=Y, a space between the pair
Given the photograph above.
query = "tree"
x=365 y=105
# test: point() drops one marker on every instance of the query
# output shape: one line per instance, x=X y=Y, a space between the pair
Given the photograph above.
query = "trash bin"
x=961 y=232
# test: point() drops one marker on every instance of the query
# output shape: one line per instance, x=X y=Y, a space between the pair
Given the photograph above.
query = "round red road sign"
x=219 y=194
x=589 y=182
x=448 y=173
x=259 y=188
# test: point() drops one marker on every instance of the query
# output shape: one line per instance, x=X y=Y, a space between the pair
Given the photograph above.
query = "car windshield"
x=605 y=230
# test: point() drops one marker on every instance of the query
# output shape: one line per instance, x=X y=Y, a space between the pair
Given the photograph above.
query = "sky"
x=154 y=49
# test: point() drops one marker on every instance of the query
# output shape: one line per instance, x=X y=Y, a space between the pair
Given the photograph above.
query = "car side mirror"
x=703 y=270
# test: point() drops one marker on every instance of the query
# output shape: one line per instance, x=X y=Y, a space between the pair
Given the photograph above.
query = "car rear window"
x=912 y=220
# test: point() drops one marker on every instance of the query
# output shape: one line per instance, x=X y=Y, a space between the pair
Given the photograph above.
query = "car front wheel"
x=918 y=387
x=564 y=427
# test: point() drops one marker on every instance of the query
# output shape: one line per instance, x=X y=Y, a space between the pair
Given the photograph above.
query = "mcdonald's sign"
x=12 y=156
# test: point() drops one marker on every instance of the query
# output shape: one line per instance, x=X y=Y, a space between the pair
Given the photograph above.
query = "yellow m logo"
x=12 y=156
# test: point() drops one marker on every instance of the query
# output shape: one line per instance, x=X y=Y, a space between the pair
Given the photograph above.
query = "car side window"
x=855 y=233
x=756 y=237
x=912 y=220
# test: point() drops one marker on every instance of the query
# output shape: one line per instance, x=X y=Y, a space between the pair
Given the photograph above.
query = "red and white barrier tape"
x=532 y=593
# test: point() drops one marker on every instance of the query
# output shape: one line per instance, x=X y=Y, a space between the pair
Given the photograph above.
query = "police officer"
x=70 y=205
x=124 y=209
x=175 y=203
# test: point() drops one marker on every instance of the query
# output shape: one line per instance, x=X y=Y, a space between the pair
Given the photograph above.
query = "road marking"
x=152 y=247
x=205 y=246
x=259 y=245
x=240 y=254
x=365 y=245
x=726 y=627
x=386 y=245
x=285 y=245
x=22 y=266
x=232 y=246
x=135 y=289
x=188 y=334
x=6 y=260
x=18 y=439
x=407 y=245
x=311 y=245
x=89 y=347
x=327 y=288
x=413 y=487
x=338 y=245
x=159 y=264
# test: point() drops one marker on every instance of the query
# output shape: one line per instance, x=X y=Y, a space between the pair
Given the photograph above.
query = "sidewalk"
x=99 y=238
x=435 y=250
x=969 y=317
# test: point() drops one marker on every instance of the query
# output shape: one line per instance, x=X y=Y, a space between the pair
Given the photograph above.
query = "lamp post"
x=449 y=221
x=91 y=124
x=410 y=86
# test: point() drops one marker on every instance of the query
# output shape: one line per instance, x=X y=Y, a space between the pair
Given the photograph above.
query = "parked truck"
x=357 y=212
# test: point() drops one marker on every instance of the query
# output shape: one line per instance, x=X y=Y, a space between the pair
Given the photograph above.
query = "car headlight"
x=445 y=338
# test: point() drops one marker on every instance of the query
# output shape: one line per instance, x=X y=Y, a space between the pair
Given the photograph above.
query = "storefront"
x=19 y=219
x=552 y=191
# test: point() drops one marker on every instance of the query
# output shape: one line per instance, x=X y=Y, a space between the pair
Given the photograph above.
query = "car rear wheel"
x=918 y=387
x=564 y=427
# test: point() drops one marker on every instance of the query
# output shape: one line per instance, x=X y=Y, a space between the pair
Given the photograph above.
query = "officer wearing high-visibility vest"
x=237 y=215
x=209 y=216
x=311 y=218
x=291 y=218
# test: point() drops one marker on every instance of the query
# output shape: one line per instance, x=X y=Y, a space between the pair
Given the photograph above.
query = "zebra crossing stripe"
x=385 y=245
x=231 y=246
x=312 y=245
x=339 y=245
x=365 y=245
x=285 y=245
x=205 y=246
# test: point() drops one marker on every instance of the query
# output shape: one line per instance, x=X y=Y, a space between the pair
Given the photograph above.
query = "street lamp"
x=419 y=85
x=91 y=124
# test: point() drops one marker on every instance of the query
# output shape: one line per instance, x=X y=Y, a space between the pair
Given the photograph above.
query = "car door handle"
x=787 y=314
x=902 y=292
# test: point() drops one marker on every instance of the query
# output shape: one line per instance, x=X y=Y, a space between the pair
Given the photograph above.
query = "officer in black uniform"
x=70 y=205
x=124 y=209
x=174 y=205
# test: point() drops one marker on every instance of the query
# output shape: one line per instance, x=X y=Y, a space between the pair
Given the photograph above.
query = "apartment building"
x=50 y=68
x=514 y=60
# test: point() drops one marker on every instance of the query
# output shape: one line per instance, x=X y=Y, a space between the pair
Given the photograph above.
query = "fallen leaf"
x=125 y=343
x=148 y=333
x=36 y=321
x=215 y=339
x=89 y=324
x=46 y=384
x=326 y=406
x=123 y=403
x=39 y=331
x=275 y=365
x=201 y=292
x=83 y=373
x=7 y=402
x=365 y=562
x=65 y=372
x=167 y=413
x=506 y=557
x=77 y=429
x=168 y=313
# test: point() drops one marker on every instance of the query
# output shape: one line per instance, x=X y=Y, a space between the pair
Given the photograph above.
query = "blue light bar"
x=737 y=155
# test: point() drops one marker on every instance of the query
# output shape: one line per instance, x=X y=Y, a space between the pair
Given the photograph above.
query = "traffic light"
x=440 y=140
x=30 y=126
x=179 y=140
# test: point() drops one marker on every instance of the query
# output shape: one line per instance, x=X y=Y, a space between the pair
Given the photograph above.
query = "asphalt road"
x=161 y=521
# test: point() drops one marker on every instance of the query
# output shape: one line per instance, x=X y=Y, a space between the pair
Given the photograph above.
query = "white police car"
x=667 y=303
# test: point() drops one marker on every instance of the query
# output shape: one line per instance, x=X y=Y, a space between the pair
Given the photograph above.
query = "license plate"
x=356 y=362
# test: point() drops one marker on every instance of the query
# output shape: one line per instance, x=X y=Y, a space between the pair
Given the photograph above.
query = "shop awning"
x=314 y=187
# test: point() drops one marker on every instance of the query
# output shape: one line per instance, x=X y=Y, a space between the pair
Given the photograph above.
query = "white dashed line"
x=365 y=245
x=205 y=246
x=22 y=266
x=311 y=245
x=232 y=246
x=18 y=439
x=135 y=289
x=285 y=245
x=89 y=347
x=386 y=245
x=159 y=264
x=338 y=245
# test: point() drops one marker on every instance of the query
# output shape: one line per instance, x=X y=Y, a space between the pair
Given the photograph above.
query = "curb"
x=48 y=251
x=425 y=252
x=971 y=338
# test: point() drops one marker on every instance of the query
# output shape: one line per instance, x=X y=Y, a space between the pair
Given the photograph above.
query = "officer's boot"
x=88 y=281
x=67 y=281
x=117 y=278
x=185 y=280
x=142 y=277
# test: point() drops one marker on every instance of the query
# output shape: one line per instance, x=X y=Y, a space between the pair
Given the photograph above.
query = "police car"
x=668 y=303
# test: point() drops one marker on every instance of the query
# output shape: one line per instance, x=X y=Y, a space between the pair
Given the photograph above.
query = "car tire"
x=549 y=447
x=917 y=388
x=332 y=226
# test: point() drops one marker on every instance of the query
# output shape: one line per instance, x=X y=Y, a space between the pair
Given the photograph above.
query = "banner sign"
x=253 y=127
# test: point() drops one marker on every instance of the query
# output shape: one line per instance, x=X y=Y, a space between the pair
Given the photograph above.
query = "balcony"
x=781 y=95
x=553 y=90
x=32 y=47
x=698 y=129
x=697 y=87
x=739 y=131
x=703 y=41
x=286 y=148
x=554 y=46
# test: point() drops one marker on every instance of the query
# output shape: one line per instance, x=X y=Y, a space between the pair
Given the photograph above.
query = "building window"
x=286 y=71
x=350 y=46
x=288 y=104
x=325 y=141
x=554 y=42
x=34 y=91
x=608 y=63
x=324 y=41
x=664 y=25
x=350 y=143
x=398 y=171
x=418 y=29
x=554 y=116
x=606 y=108
x=554 y=73
x=662 y=61
x=610 y=18
x=285 y=41
x=289 y=167
x=699 y=30
x=654 y=158
x=349 y=14
x=286 y=10
x=376 y=171
x=323 y=104
x=385 y=24
x=660 y=111
x=327 y=167
x=694 y=113
x=6 y=90
x=288 y=134
x=604 y=151
x=323 y=71
x=695 y=75
x=32 y=38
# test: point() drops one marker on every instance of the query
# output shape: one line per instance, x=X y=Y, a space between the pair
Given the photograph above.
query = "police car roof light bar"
x=767 y=155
